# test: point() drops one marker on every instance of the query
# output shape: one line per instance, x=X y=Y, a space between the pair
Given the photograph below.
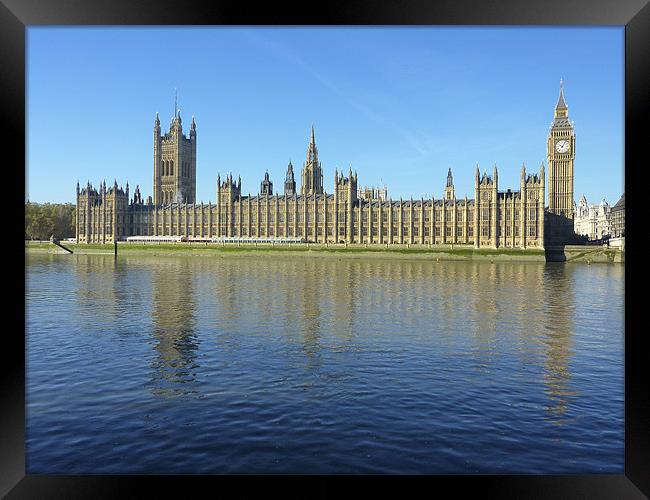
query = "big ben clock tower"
x=560 y=152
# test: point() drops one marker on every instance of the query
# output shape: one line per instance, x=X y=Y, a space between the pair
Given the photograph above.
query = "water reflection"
x=310 y=299
x=559 y=304
x=485 y=318
x=95 y=290
x=358 y=358
x=486 y=311
x=173 y=306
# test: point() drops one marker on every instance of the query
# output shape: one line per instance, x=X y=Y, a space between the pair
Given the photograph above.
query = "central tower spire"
x=312 y=151
x=312 y=174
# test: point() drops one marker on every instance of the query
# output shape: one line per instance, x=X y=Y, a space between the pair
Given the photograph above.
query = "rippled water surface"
x=322 y=365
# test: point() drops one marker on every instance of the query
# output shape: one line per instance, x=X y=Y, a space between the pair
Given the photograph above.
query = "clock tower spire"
x=561 y=109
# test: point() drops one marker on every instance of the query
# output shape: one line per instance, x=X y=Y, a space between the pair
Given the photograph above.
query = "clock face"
x=562 y=146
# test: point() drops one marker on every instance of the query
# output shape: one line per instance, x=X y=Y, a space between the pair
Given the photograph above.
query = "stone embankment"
x=436 y=252
x=586 y=254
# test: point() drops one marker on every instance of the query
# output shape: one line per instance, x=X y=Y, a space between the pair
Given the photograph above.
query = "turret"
x=266 y=186
x=449 y=188
x=228 y=188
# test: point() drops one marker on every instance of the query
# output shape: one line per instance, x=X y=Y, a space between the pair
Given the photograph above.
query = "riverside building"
x=618 y=218
x=593 y=221
x=347 y=214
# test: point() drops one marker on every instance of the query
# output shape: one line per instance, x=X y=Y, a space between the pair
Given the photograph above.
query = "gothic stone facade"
x=515 y=219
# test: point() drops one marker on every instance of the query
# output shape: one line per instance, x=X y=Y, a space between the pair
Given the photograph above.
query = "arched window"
x=171 y=168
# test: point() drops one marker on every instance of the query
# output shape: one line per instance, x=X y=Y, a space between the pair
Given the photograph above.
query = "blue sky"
x=400 y=105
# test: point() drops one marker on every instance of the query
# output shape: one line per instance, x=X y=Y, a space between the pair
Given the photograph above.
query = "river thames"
x=272 y=364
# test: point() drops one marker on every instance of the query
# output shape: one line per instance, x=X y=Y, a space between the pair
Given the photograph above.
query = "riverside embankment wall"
x=587 y=254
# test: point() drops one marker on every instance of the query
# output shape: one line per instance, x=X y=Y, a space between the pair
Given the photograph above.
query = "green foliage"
x=42 y=220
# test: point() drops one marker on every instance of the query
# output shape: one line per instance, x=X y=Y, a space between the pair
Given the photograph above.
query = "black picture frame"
x=17 y=15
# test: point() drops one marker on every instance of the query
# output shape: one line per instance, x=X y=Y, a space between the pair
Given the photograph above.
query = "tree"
x=49 y=219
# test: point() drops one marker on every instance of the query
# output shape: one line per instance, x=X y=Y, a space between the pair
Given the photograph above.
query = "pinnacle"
x=560 y=102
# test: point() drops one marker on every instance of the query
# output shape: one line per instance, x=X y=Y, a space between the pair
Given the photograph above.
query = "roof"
x=560 y=101
x=562 y=122
x=620 y=204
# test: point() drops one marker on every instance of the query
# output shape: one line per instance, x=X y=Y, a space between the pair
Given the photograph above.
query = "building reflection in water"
x=341 y=300
x=95 y=288
x=559 y=304
x=485 y=279
x=233 y=300
x=478 y=309
x=173 y=306
x=522 y=309
x=110 y=292
x=310 y=298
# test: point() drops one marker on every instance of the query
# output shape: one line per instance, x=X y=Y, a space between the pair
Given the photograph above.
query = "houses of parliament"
x=348 y=214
